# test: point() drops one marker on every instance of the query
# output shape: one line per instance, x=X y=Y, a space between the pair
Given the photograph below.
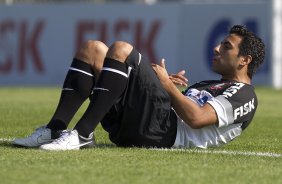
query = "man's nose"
x=216 y=49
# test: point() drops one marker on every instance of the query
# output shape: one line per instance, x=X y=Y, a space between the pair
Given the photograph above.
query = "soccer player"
x=138 y=104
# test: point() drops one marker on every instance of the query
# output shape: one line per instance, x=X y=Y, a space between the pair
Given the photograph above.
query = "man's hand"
x=162 y=74
x=191 y=113
x=177 y=79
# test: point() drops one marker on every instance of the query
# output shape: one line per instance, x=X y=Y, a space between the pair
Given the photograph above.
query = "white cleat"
x=69 y=140
x=40 y=136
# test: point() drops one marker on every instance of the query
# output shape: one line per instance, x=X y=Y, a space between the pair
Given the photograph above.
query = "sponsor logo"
x=244 y=109
x=229 y=92
x=218 y=86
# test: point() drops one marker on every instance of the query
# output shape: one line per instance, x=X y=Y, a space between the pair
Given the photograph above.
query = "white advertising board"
x=37 y=42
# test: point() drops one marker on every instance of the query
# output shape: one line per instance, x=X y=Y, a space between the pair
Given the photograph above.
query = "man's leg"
x=107 y=91
x=79 y=82
x=109 y=88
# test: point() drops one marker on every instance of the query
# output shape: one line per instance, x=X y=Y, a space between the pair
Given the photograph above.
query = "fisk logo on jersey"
x=232 y=90
x=244 y=109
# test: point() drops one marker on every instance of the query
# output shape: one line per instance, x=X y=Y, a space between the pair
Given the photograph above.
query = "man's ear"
x=245 y=60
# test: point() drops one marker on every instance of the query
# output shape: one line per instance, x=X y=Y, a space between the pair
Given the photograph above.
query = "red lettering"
x=88 y=27
x=6 y=65
x=30 y=45
x=103 y=32
x=82 y=28
x=143 y=40
x=146 y=44
x=120 y=26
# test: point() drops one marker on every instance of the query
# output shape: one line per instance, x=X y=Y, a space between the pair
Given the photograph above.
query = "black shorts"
x=143 y=116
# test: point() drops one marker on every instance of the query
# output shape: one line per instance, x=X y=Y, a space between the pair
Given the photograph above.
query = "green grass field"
x=249 y=159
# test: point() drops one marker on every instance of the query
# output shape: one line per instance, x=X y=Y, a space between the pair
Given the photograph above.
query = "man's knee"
x=92 y=52
x=119 y=51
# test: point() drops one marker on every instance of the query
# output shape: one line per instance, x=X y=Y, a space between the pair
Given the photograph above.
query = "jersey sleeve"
x=224 y=110
x=235 y=104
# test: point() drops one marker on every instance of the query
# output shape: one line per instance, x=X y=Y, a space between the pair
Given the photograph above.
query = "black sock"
x=76 y=89
x=109 y=88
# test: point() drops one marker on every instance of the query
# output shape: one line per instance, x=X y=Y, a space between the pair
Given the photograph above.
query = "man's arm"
x=193 y=114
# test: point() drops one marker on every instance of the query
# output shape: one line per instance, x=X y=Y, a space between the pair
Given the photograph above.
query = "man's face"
x=226 y=59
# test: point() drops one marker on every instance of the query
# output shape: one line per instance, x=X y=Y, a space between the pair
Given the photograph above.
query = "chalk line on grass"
x=223 y=152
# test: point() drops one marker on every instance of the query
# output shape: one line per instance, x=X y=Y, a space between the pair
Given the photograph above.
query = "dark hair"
x=250 y=45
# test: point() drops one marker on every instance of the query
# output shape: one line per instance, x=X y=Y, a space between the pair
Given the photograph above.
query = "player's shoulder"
x=206 y=83
x=238 y=89
x=227 y=88
x=213 y=85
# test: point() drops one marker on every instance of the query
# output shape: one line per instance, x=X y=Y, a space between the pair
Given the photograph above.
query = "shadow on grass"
x=105 y=145
x=8 y=144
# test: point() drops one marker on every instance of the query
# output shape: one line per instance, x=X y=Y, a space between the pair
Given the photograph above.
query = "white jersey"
x=235 y=105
